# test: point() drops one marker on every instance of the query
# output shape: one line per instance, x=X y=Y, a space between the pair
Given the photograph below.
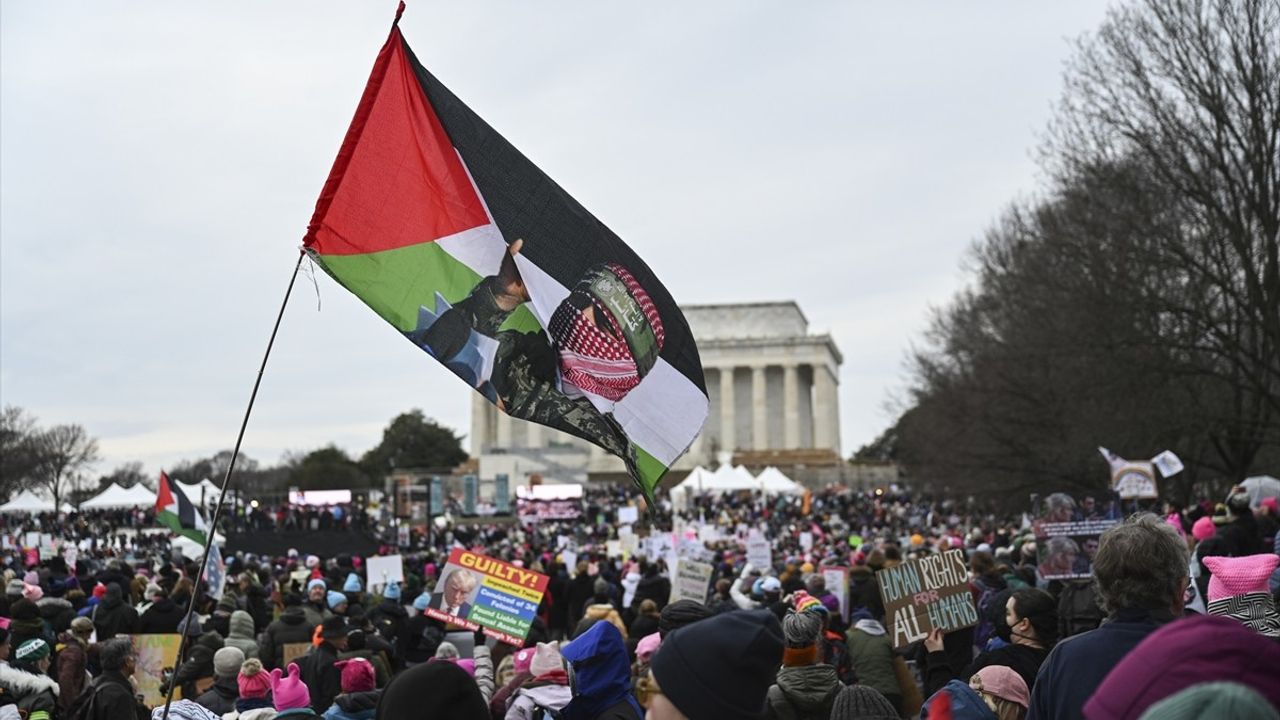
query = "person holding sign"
x=1031 y=628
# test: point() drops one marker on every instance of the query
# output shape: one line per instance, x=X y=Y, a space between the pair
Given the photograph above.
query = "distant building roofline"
x=766 y=303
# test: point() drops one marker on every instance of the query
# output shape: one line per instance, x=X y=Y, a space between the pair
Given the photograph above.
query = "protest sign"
x=691 y=581
x=628 y=515
x=932 y=592
x=758 y=552
x=837 y=580
x=806 y=541
x=692 y=549
x=156 y=653
x=293 y=651
x=660 y=545
x=477 y=591
x=382 y=569
x=1067 y=535
x=613 y=548
x=570 y=560
x=32 y=540
x=1135 y=478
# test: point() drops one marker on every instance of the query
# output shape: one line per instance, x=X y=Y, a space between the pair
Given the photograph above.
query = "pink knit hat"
x=1176 y=522
x=289 y=692
x=546 y=659
x=253 y=681
x=1239 y=575
x=32 y=592
x=357 y=675
x=1203 y=529
x=523 y=659
x=647 y=646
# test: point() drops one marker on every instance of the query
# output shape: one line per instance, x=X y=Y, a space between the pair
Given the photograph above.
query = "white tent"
x=28 y=502
x=120 y=497
x=773 y=482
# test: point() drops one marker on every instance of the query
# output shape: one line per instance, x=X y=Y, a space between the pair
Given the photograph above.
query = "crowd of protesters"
x=305 y=636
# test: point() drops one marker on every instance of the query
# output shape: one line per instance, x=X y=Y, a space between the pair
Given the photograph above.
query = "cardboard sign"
x=613 y=548
x=837 y=579
x=806 y=541
x=932 y=592
x=476 y=591
x=383 y=569
x=691 y=581
x=157 y=653
x=759 y=554
x=628 y=515
x=293 y=651
x=692 y=549
x=1134 y=480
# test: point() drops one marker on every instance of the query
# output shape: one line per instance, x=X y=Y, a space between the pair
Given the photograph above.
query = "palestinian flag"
x=176 y=511
x=471 y=252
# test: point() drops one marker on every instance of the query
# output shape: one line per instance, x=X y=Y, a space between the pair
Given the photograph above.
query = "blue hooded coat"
x=600 y=677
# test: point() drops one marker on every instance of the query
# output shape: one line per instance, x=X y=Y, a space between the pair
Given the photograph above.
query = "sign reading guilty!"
x=476 y=591
x=932 y=592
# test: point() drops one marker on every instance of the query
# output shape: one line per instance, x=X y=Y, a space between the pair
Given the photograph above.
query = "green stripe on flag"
x=395 y=283
x=174 y=523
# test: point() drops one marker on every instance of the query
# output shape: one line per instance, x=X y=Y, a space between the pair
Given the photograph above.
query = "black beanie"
x=432 y=690
x=681 y=613
x=860 y=702
x=721 y=667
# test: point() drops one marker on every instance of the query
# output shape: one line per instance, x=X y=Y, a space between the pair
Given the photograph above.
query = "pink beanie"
x=647 y=646
x=1271 y=504
x=522 y=660
x=1203 y=529
x=1176 y=523
x=1234 y=576
x=253 y=681
x=357 y=675
x=32 y=592
x=289 y=693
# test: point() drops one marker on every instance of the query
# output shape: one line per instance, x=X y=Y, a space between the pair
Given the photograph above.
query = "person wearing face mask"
x=1030 y=627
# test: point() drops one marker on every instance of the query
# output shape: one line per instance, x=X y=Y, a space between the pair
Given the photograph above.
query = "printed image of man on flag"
x=471 y=252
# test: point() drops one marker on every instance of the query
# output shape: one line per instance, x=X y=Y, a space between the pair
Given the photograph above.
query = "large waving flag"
x=460 y=242
x=176 y=511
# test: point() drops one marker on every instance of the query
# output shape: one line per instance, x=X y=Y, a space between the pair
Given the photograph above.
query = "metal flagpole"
x=222 y=495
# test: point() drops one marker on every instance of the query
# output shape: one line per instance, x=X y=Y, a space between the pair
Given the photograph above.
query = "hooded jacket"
x=957 y=701
x=57 y=613
x=221 y=698
x=113 y=617
x=354 y=706
x=608 y=613
x=534 y=694
x=602 y=676
x=241 y=635
x=291 y=627
x=199 y=664
x=872 y=657
x=804 y=692
x=37 y=695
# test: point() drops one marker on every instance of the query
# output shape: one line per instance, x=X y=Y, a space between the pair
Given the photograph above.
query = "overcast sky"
x=159 y=162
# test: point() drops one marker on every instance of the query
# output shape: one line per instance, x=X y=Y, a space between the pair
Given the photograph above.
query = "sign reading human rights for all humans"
x=932 y=592
x=476 y=591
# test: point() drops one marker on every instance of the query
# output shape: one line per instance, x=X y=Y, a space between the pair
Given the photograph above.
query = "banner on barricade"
x=477 y=591
x=691 y=581
x=920 y=595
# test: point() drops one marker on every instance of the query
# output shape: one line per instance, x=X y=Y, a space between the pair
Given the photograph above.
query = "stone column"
x=504 y=430
x=759 y=408
x=826 y=409
x=791 y=406
x=480 y=409
x=728 y=420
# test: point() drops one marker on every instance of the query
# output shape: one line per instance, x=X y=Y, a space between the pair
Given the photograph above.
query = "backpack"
x=1078 y=608
x=542 y=712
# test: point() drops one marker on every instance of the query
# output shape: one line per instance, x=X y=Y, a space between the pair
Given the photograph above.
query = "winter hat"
x=420 y=602
x=357 y=675
x=227 y=662
x=32 y=592
x=681 y=613
x=288 y=692
x=82 y=626
x=432 y=690
x=253 y=681
x=352 y=585
x=722 y=666
x=546 y=659
x=957 y=700
x=770 y=585
x=804 y=602
x=99 y=591
x=14 y=588
x=333 y=627
x=1271 y=504
x=448 y=651
x=334 y=598
x=31 y=578
x=227 y=604
x=1002 y=682
x=1207 y=649
x=1203 y=529
x=861 y=702
x=313 y=562
x=1213 y=700
x=647 y=646
x=800 y=631
x=31 y=651
x=317 y=582
x=391 y=591
x=1239 y=575
x=522 y=659
x=184 y=710
x=151 y=591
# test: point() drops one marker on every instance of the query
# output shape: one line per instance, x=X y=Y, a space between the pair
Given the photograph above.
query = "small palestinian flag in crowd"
x=176 y=511
x=471 y=252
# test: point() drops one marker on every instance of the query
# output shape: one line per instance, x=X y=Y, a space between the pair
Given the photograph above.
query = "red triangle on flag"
x=164 y=498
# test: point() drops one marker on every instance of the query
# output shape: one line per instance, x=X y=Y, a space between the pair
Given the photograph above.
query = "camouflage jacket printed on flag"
x=524 y=376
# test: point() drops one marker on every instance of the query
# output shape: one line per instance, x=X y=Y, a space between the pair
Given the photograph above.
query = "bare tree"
x=65 y=452
x=18 y=456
